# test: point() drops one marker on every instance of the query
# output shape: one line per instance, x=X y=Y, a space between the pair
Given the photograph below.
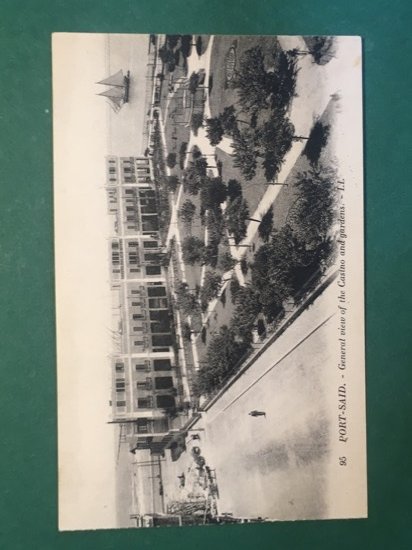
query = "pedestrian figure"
x=182 y=479
x=257 y=413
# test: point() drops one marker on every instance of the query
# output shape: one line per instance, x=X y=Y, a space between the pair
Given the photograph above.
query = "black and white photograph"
x=208 y=206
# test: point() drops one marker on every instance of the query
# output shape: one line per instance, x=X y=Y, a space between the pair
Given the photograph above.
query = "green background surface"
x=28 y=457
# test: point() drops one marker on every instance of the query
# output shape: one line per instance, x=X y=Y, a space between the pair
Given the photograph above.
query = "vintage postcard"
x=209 y=279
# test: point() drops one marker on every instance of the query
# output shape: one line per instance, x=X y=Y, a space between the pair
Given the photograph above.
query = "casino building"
x=148 y=386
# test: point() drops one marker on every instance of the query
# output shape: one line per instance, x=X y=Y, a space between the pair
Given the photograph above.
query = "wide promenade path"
x=277 y=466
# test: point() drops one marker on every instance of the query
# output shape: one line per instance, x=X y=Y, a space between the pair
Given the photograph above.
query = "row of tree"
x=269 y=141
x=261 y=130
x=212 y=284
x=164 y=183
x=213 y=192
x=261 y=88
x=175 y=46
x=224 y=353
x=291 y=260
x=235 y=219
x=321 y=48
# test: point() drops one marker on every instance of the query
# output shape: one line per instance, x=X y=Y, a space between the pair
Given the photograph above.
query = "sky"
x=85 y=130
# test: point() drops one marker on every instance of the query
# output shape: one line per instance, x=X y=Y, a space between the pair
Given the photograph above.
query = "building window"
x=120 y=385
x=161 y=340
x=133 y=258
x=153 y=270
x=152 y=257
x=146 y=193
x=148 y=207
x=161 y=320
x=156 y=291
x=142 y=426
x=163 y=382
x=145 y=385
x=150 y=244
x=165 y=401
x=145 y=403
x=142 y=367
x=162 y=364
x=157 y=303
x=160 y=350
x=119 y=367
x=120 y=403
x=138 y=343
x=150 y=223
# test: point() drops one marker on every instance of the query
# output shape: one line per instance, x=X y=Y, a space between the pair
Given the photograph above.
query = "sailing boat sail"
x=113 y=93
x=118 y=94
x=114 y=80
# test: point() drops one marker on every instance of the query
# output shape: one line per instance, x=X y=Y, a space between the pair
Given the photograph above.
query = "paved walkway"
x=195 y=64
x=282 y=465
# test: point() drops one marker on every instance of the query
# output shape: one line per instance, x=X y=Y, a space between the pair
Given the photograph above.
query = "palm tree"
x=187 y=211
x=193 y=250
x=236 y=214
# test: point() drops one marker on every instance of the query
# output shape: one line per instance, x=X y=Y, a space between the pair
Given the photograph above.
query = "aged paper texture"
x=209 y=279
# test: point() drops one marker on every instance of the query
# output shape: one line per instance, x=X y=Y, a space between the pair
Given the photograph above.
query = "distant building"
x=146 y=379
x=156 y=520
x=126 y=170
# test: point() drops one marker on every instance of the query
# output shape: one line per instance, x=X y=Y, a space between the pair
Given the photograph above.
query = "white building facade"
x=146 y=381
